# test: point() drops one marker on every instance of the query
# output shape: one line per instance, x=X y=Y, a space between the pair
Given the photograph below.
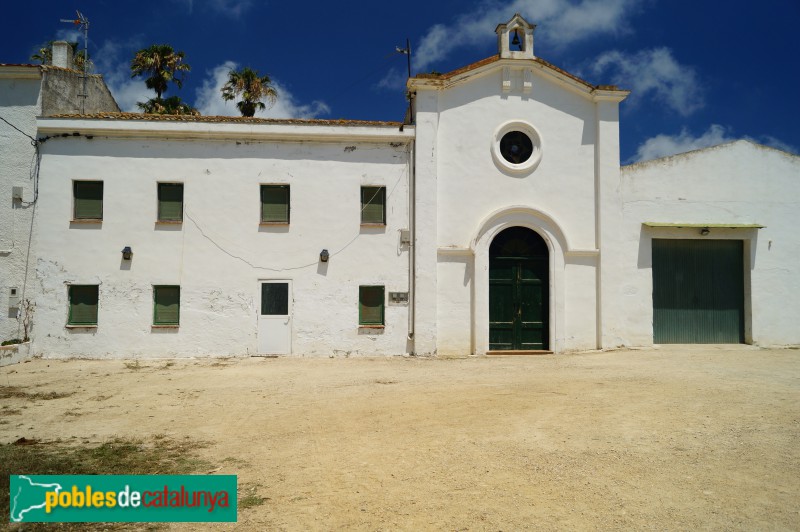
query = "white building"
x=498 y=219
x=26 y=92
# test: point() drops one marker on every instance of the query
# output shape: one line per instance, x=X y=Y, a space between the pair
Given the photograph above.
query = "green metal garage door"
x=698 y=291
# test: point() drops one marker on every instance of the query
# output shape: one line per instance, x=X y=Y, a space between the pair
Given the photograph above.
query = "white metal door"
x=275 y=318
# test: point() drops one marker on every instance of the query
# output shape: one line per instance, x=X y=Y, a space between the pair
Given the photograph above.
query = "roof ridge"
x=496 y=57
x=234 y=119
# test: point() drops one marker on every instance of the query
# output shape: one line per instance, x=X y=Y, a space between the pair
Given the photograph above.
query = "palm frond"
x=252 y=88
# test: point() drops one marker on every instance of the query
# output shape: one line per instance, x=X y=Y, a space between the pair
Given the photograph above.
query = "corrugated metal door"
x=698 y=291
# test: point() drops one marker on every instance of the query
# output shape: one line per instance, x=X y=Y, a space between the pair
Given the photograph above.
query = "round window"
x=517 y=147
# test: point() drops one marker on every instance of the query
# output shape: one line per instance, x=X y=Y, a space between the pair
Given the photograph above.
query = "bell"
x=515 y=40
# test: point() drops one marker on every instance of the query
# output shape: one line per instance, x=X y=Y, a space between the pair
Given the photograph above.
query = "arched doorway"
x=518 y=291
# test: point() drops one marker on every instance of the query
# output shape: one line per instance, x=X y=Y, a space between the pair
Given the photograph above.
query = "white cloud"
x=561 y=22
x=210 y=103
x=232 y=8
x=209 y=98
x=778 y=144
x=70 y=35
x=128 y=92
x=665 y=145
x=395 y=79
x=116 y=72
x=653 y=73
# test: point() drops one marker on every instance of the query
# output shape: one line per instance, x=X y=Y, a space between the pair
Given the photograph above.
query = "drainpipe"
x=598 y=230
x=412 y=254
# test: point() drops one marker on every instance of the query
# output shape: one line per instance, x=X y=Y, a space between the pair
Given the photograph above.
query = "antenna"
x=83 y=22
x=405 y=51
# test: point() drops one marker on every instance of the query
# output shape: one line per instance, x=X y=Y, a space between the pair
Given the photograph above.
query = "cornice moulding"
x=223 y=131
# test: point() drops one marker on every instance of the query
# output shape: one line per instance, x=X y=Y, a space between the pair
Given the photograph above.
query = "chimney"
x=62 y=54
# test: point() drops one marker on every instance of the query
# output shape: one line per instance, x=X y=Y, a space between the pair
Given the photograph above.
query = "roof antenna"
x=405 y=51
x=83 y=22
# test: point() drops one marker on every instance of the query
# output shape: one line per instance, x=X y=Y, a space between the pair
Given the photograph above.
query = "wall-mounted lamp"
x=324 y=255
x=704 y=231
x=127 y=253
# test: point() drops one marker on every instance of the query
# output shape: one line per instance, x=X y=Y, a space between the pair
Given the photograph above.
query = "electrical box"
x=405 y=236
x=13 y=298
x=398 y=297
x=16 y=193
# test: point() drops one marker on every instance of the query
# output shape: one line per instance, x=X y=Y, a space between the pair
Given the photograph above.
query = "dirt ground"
x=667 y=438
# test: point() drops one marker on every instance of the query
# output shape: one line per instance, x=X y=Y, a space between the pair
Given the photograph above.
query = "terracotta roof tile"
x=494 y=58
x=467 y=68
x=72 y=70
x=45 y=68
x=227 y=119
x=564 y=72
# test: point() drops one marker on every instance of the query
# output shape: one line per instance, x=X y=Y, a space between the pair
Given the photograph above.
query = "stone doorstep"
x=518 y=352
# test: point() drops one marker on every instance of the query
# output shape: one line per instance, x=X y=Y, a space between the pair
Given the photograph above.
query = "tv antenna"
x=83 y=22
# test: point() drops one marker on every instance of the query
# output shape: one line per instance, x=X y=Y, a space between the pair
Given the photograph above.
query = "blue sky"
x=701 y=72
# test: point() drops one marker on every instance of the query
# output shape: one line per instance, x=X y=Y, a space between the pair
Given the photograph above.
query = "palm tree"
x=45 y=55
x=252 y=88
x=161 y=64
x=79 y=59
x=167 y=106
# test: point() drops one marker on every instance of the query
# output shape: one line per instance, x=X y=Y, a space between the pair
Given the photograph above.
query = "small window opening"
x=516 y=41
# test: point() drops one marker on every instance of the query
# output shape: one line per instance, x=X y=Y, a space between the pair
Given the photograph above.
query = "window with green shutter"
x=370 y=305
x=373 y=205
x=166 y=305
x=170 y=202
x=87 y=200
x=275 y=204
x=83 y=305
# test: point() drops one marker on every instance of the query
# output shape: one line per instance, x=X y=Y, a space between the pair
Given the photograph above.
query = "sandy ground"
x=669 y=438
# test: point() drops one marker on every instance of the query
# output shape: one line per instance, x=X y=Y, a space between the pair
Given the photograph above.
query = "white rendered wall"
x=740 y=183
x=609 y=237
x=219 y=253
x=477 y=198
x=471 y=185
x=20 y=104
x=426 y=215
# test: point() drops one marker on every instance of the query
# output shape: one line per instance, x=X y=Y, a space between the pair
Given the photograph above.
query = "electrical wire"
x=34 y=174
x=34 y=142
x=257 y=267
x=37 y=157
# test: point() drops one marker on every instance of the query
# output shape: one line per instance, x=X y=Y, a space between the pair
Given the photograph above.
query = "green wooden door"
x=698 y=291
x=518 y=291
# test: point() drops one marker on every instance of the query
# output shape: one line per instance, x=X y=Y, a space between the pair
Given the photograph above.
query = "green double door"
x=698 y=291
x=518 y=291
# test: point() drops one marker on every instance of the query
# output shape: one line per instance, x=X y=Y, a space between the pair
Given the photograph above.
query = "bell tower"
x=515 y=38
